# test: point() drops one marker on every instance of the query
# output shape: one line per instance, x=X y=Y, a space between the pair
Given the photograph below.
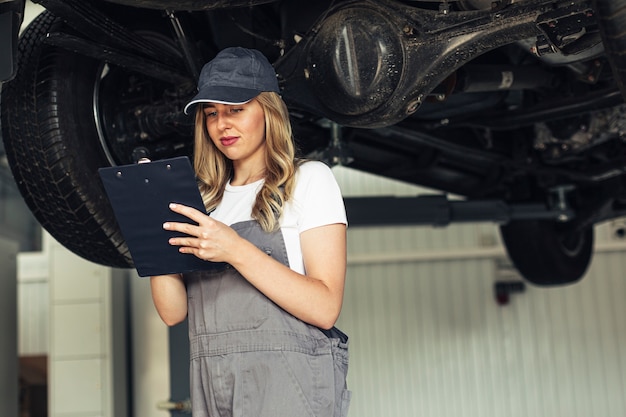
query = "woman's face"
x=238 y=131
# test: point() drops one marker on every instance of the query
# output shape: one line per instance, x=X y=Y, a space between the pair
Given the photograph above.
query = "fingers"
x=200 y=239
x=192 y=246
x=196 y=234
x=186 y=228
x=192 y=214
x=189 y=212
x=185 y=242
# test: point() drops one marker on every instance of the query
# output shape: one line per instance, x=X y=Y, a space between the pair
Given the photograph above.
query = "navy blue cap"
x=235 y=76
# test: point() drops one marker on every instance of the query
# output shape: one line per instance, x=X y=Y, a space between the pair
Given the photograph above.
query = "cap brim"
x=222 y=95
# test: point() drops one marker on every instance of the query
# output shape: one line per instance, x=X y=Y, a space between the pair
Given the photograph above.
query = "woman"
x=262 y=315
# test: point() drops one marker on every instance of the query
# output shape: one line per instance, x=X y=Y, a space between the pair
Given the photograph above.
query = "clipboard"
x=140 y=195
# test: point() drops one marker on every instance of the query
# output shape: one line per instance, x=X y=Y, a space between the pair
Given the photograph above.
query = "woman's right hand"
x=208 y=239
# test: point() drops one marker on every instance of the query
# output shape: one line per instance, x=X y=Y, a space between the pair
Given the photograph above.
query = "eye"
x=209 y=113
x=236 y=110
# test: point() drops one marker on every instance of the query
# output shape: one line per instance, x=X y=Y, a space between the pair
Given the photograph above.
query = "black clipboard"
x=140 y=195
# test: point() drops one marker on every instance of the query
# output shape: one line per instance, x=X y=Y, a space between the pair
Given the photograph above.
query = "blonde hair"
x=214 y=170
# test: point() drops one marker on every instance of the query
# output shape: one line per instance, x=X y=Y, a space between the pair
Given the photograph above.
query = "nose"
x=223 y=121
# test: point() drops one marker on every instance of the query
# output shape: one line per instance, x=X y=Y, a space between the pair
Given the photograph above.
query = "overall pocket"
x=238 y=305
x=221 y=301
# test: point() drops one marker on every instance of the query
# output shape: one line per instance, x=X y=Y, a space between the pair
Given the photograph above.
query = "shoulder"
x=315 y=179
x=316 y=199
x=314 y=169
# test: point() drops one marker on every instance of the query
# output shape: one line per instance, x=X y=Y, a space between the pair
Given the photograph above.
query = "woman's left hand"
x=209 y=240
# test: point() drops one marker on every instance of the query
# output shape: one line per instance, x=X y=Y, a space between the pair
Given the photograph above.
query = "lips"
x=228 y=140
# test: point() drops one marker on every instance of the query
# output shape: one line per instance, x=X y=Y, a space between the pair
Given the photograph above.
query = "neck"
x=247 y=177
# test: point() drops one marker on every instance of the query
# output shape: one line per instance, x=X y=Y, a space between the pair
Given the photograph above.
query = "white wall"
x=73 y=311
x=79 y=358
x=150 y=352
x=429 y=339
x=30 y=12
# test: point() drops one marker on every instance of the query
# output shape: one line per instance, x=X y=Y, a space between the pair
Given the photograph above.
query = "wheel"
x=61 y=117
x=546 y=252
x=48 y=134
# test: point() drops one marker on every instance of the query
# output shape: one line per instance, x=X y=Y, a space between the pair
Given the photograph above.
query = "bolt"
x=413 y=106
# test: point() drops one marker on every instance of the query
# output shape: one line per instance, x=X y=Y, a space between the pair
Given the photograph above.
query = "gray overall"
x=251 y=358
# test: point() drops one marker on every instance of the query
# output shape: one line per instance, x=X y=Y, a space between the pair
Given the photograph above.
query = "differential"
x=356 y=61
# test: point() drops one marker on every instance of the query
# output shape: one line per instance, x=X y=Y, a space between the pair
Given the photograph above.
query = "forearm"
x=313 y=299
x=170 y=297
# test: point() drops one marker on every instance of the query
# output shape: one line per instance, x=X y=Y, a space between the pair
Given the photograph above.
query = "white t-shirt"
x=316 y=201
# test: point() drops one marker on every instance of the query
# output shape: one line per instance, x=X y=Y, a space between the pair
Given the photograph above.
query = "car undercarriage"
x=515 y=106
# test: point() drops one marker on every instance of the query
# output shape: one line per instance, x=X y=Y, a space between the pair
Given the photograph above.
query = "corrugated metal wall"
x=429 y=339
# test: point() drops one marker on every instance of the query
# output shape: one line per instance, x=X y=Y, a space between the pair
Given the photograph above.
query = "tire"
x=65 y=115
x=547 y=253
x=612 y=18
x=53 y=149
